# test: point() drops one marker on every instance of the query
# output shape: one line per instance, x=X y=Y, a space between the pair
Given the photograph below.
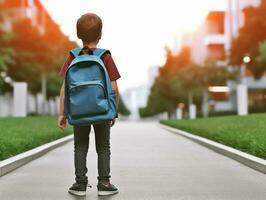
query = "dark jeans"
x=81 y=145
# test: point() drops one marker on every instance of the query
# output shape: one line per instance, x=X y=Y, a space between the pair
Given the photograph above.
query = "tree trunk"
x=205 y=105
x=171 y=113
x=36 y=104
x=190 y=98
x=44 y=92
x=49 y=109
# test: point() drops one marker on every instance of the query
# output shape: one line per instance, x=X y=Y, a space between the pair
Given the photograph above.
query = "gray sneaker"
x=78 y=189
x=106 y=188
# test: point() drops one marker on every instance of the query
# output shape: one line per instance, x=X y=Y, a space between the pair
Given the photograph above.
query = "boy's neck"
x=91 y=45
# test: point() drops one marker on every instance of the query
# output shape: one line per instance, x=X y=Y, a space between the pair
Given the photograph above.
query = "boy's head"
x=89 y=28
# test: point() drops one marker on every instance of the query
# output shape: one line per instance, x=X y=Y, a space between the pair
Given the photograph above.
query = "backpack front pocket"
x=87 y=98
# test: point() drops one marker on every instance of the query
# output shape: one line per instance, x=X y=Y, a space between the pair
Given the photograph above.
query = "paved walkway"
x=147 y=163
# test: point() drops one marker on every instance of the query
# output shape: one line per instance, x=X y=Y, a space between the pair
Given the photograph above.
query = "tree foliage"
x=180 y=78
x=122 y=109
x=166 y=91
x=261 y=57
x=6 y=53
x=36 y=53
x=248 y=41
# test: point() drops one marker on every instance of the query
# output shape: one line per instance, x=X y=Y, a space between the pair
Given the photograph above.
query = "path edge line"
x=249 y=160
x=21 y=159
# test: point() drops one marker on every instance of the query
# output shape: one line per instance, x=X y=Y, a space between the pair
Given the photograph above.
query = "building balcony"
x=213 y=39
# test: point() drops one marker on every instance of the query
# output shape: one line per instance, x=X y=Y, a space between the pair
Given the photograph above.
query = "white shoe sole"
x=105 y=193
x=78 y=193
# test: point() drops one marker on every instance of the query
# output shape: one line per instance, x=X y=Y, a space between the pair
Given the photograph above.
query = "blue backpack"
x=89 y=96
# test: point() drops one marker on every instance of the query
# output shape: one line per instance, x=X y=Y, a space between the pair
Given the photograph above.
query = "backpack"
x=89 y=96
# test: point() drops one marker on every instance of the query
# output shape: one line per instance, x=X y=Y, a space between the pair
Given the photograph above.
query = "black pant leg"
x=81 y=145
x=102 y=143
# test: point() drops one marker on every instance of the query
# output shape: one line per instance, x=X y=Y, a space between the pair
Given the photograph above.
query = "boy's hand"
x=112 y=122
x=61 y=122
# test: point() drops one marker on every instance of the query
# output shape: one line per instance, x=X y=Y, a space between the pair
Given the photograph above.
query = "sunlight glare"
x=137 y=29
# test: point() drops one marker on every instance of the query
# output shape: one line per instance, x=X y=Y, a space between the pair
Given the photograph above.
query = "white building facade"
x=137 y=97
x=212 y=41
x=214 y=36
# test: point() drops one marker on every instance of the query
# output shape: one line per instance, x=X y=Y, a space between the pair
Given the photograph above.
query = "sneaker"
x=106 y=188
x=78 y=189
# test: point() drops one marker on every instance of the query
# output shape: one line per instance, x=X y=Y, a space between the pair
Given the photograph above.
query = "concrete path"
x=147 y=163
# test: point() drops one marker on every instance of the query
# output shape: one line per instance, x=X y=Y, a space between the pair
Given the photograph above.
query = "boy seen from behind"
x=89 y=30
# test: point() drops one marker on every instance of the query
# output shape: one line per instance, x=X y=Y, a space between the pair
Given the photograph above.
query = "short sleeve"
x=65 y=66
x=111 y=67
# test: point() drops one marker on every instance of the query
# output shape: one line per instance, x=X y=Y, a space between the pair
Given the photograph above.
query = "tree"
x=211 y=75
x=29 y=54
x=250 y=36
x=122 y=109
x=38 y=57
x=188 y=78
x=168 y=85
x=58 y=47
x=5 y=54
x=260 y=59
x=166 y=90
x=156 y=102
x=179 y=83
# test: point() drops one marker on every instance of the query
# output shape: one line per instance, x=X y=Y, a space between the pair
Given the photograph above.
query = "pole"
x=44 y=92
x=242 y=73
x=230 y=18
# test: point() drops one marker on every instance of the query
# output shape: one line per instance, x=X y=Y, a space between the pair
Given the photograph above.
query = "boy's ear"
x=78 y=36
x=100 y=36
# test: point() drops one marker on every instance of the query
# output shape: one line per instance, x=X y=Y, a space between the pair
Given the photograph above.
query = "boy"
x=89 y=30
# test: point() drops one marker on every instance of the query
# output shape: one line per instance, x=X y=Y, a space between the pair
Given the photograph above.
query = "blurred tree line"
x=27 y=53
x=181 y=80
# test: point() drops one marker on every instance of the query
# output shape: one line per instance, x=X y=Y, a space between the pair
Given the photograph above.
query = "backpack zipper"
x=90 y=84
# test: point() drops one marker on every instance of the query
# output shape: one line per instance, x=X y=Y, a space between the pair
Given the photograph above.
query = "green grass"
x=18 y=135
x=245 y=133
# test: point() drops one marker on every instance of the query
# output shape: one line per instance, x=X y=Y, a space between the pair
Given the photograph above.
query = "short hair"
x=89 y=27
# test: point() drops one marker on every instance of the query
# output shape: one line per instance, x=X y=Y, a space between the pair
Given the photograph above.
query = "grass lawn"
x=18 y=135
x=245 y=133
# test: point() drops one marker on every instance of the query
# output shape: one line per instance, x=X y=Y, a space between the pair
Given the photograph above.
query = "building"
x=212 y=42
x=235 y=14
x=213 y=38
x=135 y=98
x=28 y=9
x=23 y=9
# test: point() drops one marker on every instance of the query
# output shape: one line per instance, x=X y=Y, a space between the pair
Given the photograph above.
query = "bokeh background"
x=177 y=59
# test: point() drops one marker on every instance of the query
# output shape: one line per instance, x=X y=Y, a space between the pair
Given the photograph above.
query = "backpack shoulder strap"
x=75 y=52
x=99 y=52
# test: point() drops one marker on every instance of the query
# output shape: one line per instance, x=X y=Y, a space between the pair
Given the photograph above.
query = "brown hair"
x=89 y=27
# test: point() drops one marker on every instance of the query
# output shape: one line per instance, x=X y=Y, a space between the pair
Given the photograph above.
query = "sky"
x=136 y=32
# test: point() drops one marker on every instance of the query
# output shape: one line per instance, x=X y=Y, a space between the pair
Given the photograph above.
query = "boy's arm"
x=62 y=118
x=115 y=88
x=62 y=97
